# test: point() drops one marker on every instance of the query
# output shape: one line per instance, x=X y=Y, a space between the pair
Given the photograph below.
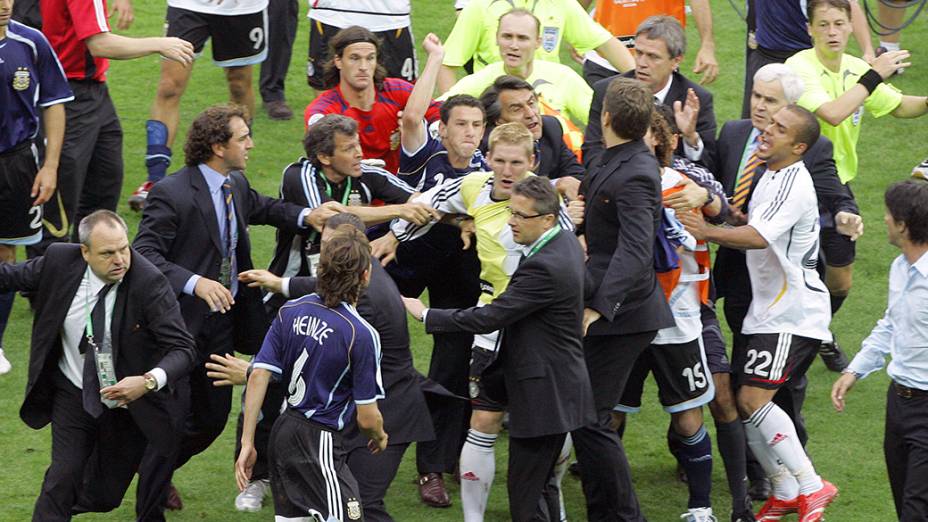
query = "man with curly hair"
x=194 y=229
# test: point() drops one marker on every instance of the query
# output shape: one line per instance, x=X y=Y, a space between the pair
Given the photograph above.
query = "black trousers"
x=451 y=275
x=208 y=410
x=93 y=460
x=533 y=495
x=604 y=470
x=282 y=19
x=91 y=167
x=905 y=446
x=374 y=474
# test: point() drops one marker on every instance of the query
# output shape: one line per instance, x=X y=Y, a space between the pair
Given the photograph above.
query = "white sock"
x=780 y=436
x=478 y=467
x=560 y=469
x=889 y=46
x=784 y=485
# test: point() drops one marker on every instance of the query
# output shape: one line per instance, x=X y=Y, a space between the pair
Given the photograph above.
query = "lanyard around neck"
x=544 y=240
x=328 y=189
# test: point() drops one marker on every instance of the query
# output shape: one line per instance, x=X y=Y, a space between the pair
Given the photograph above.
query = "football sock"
x=560 y=469
x=731 y=446
x=783 y=484
x=478 y=467
x=6 y=306
x=836 y=302
x=889 y=46
x=694 y=453
x=157 y=154
x=779 y=434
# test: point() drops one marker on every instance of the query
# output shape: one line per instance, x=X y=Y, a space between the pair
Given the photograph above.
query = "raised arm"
x=413 y=126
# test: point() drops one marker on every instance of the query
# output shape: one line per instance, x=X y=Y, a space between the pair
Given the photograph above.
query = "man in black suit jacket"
x=404 y=409
x=95 y=449
x=541 y=357
x=624 y=303
x=194 y=229
x=512 y=99
x=659 y=47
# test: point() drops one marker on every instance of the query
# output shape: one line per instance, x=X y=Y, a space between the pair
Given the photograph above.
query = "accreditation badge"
x=225 y=272
x=549 y=36
x=106 y=373
x=21 y=79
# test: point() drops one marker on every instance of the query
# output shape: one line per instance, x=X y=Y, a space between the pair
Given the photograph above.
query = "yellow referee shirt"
x=823 y=85
x=474 y=32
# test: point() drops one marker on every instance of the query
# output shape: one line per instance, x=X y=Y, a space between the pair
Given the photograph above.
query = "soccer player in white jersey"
x=789 y=313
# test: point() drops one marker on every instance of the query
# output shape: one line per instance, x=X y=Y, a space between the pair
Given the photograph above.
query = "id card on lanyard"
x=103 y=352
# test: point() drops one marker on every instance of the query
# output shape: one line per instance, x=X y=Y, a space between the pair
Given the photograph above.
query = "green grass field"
x=846 y=448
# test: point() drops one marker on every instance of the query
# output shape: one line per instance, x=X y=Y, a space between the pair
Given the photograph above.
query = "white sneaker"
x=253 y=496
x=699 y=515
x=5 y=365
x=921 y=170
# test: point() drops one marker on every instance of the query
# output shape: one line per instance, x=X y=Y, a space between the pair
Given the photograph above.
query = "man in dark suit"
x=512 y=99
x=405 y=414
x=194 y=229
x=541 y=357
x=624 y=303
x=774 y=87
x=660 y=43
x=105 y=288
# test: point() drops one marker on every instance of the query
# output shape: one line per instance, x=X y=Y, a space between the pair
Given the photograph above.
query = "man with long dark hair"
x=358 y=88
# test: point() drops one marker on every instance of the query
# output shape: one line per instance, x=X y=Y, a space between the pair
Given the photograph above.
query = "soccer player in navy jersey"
x=439 y=261
x=31 y=80
x=329 y=359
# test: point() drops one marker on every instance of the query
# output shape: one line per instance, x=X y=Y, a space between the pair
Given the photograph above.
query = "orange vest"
x=573 y=136
x=668 y=280
x=622 y=17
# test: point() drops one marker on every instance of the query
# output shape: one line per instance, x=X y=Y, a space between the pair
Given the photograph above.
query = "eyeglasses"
x=522 y=217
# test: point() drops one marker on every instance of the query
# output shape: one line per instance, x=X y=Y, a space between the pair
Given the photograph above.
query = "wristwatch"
x=151 y=384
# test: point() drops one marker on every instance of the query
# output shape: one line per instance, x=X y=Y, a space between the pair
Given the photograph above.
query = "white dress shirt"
x=902 y=333
x=71 y=363
x=692 y=153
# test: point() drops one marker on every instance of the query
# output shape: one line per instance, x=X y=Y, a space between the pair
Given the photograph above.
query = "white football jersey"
x=788 y=295
x=225 y=7
x=374 y=15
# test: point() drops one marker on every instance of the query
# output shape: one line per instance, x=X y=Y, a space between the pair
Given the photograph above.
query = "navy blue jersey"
x=429 y=166
x=329 y=358
x=31 y=77
x=781 y=25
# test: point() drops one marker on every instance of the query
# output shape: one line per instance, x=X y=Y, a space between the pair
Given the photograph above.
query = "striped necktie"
x=227 y=198
x=743 y=188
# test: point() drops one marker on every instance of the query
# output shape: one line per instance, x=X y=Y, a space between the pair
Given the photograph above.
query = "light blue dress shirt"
x=214 y=181
x=902 y=333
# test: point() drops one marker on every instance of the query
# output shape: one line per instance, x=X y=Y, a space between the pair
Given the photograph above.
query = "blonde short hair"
x=514 y=133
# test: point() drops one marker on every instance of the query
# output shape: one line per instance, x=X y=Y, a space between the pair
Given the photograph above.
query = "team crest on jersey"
x=354 y=509
x=549 y=38
x=21 y=79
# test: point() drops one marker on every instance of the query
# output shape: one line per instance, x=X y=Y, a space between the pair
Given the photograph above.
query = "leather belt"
x=907 y=393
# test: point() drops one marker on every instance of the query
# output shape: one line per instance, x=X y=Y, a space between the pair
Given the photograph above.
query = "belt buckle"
x=903 y=391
